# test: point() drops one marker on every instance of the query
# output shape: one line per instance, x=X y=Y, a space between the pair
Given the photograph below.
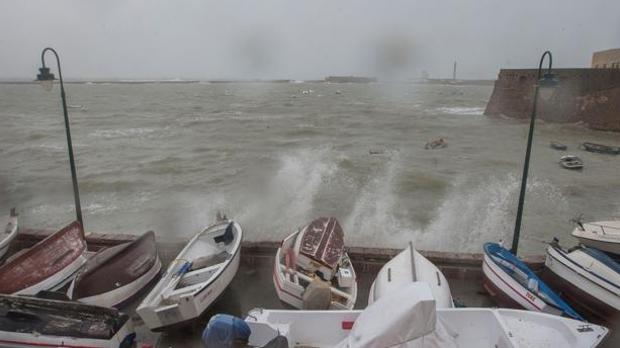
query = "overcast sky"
x=203 y=39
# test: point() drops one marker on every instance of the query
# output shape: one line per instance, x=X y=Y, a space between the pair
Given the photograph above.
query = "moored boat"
x=602 y=235
x=571 y=162
x=512 y=284
x=48 y=265
x=29 y=322
x=116 y=274
x=409 y=318
x=312 y=269
x=557 y=146
x=589 y=279
x=195 y=279
x=10 y=232
x=600 y=148
x=405 y=268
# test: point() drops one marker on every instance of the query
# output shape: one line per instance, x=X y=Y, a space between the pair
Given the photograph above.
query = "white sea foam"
x=461 y=110
x=122 y=132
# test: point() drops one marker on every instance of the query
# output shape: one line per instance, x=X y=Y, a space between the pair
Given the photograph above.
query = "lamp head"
x=46 y=78
x=547 y=85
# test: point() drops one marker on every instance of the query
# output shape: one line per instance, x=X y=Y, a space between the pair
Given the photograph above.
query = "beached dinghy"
x=589 y=279
x=405 y=268
x=116 y=274
x=409 y=318
x=312 y=270
x=194 y=280
x=29 y=322
x=48 y=265
x=10 y=232
x=512 y=284
x=602 y=235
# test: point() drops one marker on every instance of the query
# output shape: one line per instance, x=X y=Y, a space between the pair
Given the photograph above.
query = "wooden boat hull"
x=47 y=265
x=36 y=323
x=584 y=290
x=602 y=235
x=9 y=233
x=509 y=293
x=115 y=275
x=192 y=300
x=610 y=247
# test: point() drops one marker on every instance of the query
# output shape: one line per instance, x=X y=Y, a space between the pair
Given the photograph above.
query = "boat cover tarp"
x=323 y=241
x=514 y=267
x=603 y=258
x=395 y=320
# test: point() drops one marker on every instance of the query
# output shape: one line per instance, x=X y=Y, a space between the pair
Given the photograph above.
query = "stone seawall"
x=591 y=96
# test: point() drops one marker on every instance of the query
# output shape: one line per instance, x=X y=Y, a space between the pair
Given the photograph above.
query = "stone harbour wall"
x=590 y=96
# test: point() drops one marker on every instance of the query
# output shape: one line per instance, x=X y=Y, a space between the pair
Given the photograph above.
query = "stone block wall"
x=591 y=96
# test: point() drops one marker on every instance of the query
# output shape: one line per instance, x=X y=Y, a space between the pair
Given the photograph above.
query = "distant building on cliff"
x=608 y=59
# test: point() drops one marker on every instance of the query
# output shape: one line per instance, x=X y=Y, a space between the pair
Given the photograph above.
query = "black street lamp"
x=46 y=78
x=546 y=87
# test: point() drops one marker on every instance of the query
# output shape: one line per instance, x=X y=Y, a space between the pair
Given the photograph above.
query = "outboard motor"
x=226 y=331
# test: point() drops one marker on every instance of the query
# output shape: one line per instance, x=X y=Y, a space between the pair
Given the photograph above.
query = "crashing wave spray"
x=469 y=217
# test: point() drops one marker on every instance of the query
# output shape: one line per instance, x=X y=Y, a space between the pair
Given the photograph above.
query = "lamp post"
x=46 y=78
x=545 y=86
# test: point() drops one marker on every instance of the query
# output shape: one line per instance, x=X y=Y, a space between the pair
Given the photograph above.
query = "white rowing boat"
x=409 y=318
x=603 y=235
x=194 y=280
x=312 y=270
x=10 y=232
x=405 y=268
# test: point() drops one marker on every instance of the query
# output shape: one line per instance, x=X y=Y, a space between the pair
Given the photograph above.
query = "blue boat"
x=513 y=284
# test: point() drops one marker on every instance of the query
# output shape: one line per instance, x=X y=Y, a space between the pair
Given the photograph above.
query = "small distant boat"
x=30 y=322
x=10 y=232
x=513 y=285
x=312 y=269
x=589 y=279
x=115 y=275
x=405 y=268
x=407 y=318
x=600 y=148
x=195 y=278
x=436 y=144
x=558 y=146
x=602 y=235
x=48 y=265
x=571 y=162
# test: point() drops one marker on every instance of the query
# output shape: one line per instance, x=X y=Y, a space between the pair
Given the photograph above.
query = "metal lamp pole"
x=548 y=81
x=47 y=78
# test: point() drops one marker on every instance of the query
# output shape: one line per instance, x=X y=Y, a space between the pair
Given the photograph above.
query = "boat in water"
x=48 y=265
x=558 y=146
x=312 y=269
x=115 y=275
x=405 y=268
x=29 y=322
x=600 y=148
x=10 y=232
x=512 y=284
x=589 y=279
x=602 y=235
x=407 y=318
x=195 y=278
x=571 y=162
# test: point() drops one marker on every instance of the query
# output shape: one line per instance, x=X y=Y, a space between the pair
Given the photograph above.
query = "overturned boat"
x=30 y=322
x=602 y=235
x=10 y=232
x=195 y=278
x=405 y=268
x=312 y=269
x=408 y=318
x=513 y=285
x=48 y=265
x=115 y=275
x=600 y=148
x=589 y=279
x=571 y=162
